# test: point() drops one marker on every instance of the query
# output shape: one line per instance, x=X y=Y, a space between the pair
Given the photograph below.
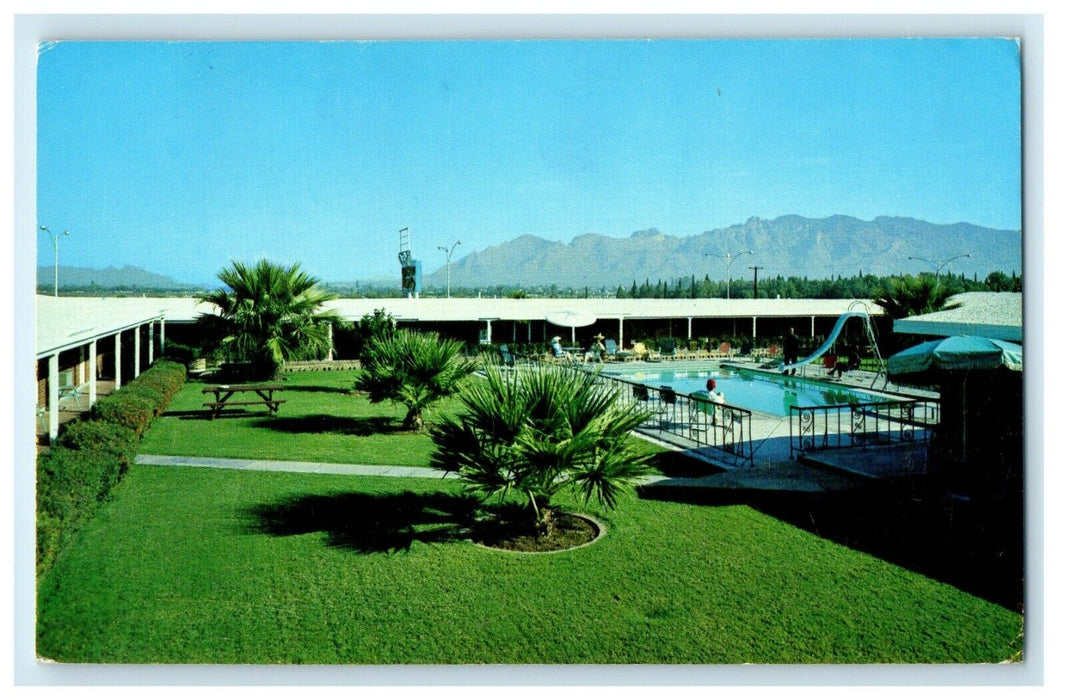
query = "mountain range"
x=786 y=246
x=128 y=277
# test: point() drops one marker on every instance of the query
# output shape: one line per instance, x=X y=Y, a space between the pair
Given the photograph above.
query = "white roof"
x=989 y=314
x=65 y=322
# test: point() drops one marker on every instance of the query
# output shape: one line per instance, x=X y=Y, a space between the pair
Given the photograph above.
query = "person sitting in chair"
x=854 y=361
x=711 y=389
x=556 y=348
x=597 y=351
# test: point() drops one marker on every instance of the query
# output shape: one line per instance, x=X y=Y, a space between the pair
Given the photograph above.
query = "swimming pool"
x=769 y=393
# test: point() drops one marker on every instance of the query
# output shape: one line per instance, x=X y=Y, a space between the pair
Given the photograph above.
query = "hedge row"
x=90 y=456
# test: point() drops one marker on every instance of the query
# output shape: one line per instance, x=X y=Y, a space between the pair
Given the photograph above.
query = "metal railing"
x=702 y=424
x=834 y=427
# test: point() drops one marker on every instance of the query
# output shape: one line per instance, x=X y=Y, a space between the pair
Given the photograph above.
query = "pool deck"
x=773 y=464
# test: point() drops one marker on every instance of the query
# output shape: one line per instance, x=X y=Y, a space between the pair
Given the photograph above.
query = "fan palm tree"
x=270 y=314
x=534 y=432
x=910 y=296
x=414 y=369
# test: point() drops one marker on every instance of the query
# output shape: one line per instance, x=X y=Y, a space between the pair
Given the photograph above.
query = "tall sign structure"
x=410 y=269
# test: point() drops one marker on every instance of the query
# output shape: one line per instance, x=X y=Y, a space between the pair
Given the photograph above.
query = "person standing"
x=791 y=350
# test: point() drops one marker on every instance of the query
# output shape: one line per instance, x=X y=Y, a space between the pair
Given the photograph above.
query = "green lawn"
x=189 y=565
x=320 y=421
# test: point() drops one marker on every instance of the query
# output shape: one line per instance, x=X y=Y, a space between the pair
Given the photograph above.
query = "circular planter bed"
x=568 y=531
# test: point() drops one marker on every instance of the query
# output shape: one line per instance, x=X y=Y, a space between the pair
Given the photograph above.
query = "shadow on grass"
x=325 y=423
x=679 y=465
x=368 y=523
x=976 y=549
x=317 y=389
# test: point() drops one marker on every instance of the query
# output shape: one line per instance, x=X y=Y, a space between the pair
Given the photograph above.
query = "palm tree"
x=533 y=432
x=270 y=314
x=414 y=369
x=910 y=296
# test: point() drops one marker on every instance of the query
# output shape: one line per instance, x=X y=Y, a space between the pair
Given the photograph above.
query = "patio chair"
x=67 y=387
x=667 y=348
x=701 y=414
x=667 y=406
x=640 y=351
x=611 y=350
x=507 y=357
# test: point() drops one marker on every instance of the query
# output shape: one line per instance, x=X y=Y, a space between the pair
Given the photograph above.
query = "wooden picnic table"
x=224 y=393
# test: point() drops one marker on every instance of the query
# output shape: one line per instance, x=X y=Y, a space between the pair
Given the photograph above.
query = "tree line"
x=861 y=286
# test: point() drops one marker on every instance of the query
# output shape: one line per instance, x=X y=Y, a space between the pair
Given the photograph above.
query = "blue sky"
x=181 y=156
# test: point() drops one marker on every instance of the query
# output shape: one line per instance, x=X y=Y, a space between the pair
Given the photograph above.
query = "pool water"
x=769 y=393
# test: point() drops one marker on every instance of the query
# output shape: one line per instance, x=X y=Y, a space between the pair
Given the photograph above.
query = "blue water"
x=757 y=391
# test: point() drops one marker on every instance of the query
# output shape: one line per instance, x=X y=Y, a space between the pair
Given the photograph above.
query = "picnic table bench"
x=223 y=394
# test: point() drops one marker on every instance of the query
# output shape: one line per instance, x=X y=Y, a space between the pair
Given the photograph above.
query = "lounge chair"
x=667 y=348
x=640 y=351
x=611 y=350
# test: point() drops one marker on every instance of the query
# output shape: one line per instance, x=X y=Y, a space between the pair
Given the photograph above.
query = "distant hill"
x=786 y=246
x=108 y=278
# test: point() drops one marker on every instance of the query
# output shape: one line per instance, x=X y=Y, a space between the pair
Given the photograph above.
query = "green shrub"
x=90 y=456
x=70 y=486
x=130 y=410
x=184 y=354
x=150 y=394
x=102 y=436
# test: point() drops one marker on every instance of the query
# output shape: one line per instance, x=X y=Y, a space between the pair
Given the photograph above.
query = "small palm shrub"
x=535 y=431
x=414 y=369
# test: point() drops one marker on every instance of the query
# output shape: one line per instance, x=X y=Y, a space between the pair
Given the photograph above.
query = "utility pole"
x=756 y=268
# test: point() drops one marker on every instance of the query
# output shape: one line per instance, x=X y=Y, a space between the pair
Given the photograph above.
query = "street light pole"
x=940 y=264
x=448 y=253
x=55 y=249
x=729 y=258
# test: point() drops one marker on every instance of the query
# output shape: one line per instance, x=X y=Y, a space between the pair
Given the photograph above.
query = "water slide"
x=827 y=345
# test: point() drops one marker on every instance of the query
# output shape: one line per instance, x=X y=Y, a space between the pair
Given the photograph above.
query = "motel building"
x=87 y=347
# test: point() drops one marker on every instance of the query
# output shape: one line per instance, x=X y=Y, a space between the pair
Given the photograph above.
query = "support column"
x=488 y=333
x=621 y=334
x=151 y=342
x=811 y=326
x=689 y=328
x=53 y=396
x=136 y=352
x=513 y=331
x=162 y=336
x=92 y=372
x=754 y=328
x=118 y=360
x=79 y=371
x=329 y=355
x=528 y=331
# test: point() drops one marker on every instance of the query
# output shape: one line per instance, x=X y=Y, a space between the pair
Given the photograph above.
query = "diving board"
x=830 y=341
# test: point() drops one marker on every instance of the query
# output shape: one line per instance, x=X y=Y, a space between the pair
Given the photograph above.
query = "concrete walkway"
x=790 y=476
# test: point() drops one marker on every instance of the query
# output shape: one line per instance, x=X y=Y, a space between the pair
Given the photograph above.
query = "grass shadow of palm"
x=368 y=523
x=899 y=523
x=325 y=423
x=318 y=389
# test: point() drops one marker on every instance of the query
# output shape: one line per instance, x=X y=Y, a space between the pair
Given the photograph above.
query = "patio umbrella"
x=959 y=352
x=950 y=362
x=571 y=319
